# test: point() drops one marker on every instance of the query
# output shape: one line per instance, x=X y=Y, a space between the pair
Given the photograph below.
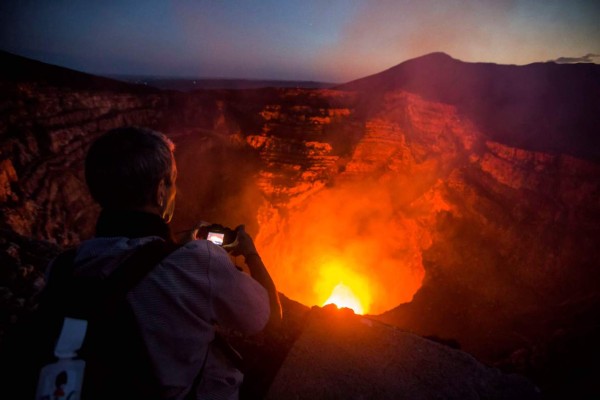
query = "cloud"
x=588 y=58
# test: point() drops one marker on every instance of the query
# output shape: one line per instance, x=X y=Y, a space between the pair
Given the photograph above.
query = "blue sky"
x=324 y=40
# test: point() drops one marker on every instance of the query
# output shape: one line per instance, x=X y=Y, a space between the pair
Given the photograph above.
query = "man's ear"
x=161 y=193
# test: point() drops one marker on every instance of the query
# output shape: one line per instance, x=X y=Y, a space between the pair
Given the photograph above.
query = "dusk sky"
x=322 y=40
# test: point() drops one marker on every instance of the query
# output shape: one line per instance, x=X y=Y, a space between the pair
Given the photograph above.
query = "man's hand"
x=189 y=235
x=243 y=244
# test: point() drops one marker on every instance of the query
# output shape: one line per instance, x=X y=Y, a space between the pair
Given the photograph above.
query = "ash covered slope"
x=340 y=355
x=541 y=107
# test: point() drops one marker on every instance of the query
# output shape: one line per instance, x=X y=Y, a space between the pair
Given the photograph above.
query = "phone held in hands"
x=218 y=234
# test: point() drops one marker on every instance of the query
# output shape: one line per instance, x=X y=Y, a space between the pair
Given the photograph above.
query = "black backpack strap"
x=60 y=273
x=101 y=298
x=133 y=270
x=61 y=280
x=112 y=348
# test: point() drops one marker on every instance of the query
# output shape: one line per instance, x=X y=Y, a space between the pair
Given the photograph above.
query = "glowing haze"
x=333 y=40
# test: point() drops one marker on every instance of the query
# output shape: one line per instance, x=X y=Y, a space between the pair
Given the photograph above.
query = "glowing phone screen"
x=216 y=238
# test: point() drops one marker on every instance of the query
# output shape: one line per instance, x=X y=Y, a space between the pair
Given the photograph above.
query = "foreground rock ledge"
x=340 y=355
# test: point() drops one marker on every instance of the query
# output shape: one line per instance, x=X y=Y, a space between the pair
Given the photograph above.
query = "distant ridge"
x=190 y=84
x=541 y=106
x=546 y=107
x=15 y=68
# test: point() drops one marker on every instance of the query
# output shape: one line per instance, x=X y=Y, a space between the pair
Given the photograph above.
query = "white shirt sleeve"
x=238 y=301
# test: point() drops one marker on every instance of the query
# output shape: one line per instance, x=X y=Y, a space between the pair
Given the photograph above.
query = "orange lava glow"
x=343 y=297
x=341 y=286
x=361 y=237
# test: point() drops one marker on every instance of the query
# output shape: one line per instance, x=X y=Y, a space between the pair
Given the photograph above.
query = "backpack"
x=116 y=361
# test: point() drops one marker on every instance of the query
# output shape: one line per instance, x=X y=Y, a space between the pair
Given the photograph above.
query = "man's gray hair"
x=124 y=167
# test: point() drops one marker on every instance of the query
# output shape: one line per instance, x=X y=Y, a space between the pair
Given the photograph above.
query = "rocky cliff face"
x=45 y=131
x=438 y=225
x=509 y=104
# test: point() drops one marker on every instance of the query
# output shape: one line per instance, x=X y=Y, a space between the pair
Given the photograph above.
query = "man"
x=131 y=173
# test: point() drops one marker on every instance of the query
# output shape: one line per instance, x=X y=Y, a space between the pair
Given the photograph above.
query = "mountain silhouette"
x=17 y=69
x=542 y=106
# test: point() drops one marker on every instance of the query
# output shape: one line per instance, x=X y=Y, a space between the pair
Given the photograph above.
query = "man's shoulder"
x=199 y=247
x=102 y=255
x=113 y=244
x=200 y=250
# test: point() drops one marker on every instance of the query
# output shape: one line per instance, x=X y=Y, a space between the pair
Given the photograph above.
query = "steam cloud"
x=588 y=58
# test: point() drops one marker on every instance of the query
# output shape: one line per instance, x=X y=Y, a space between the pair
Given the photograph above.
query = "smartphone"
x=218 y=234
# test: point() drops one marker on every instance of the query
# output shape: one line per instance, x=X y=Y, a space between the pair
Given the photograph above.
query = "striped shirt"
x=178 y=303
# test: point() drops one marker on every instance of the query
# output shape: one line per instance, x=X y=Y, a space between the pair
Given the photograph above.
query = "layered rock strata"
x=45 y=132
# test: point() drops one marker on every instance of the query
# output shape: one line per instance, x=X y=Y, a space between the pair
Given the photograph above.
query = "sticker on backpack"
x=63 y=380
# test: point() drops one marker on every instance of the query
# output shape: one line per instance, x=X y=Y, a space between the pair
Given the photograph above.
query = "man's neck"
x=131 y=224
